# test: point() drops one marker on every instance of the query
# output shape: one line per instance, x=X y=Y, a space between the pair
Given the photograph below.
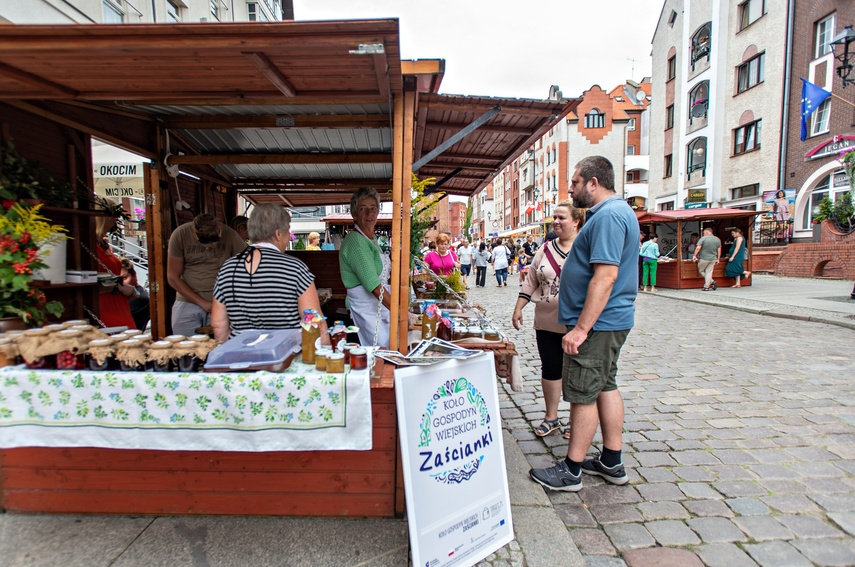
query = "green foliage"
x=21 y=178
x=421 y=210
x=841 y=212
x=454 y=280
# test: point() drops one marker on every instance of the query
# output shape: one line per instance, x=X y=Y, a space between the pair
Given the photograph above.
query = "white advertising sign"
x=458 y=505
x=119 y=180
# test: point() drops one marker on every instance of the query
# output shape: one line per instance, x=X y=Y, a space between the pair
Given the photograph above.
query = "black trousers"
x=480 y=275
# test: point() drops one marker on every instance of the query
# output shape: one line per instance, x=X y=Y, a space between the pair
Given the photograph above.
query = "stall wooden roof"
x=655 y=217
x=298 y=113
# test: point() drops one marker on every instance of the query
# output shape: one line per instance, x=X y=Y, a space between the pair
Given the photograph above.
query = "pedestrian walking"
x=481 y=258
x=501 y=261
x=736 y=258
x=598 y=306
x=464 y=255
x=707 y=254
x=541 y=288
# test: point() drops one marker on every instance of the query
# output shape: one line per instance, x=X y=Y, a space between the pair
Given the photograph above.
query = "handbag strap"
x=552 y=261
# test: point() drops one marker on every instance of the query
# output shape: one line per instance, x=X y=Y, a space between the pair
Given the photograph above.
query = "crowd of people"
x=238 y=277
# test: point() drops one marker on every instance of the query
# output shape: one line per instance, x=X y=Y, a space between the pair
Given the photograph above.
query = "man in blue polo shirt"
x=597 y=303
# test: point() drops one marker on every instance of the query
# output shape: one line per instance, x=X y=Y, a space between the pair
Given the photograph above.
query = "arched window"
x=701 y=43
x=595 y=119
x=699 y=101
x=697 y=155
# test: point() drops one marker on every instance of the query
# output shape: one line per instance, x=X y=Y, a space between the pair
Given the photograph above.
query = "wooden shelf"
x=63 y=210
x=40 y=285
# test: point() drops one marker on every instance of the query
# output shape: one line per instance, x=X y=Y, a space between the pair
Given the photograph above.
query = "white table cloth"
x=299 y=409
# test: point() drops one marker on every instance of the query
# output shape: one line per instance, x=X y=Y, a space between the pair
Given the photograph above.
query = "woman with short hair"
x=262 y=287
x=313 y=241
x=443 y=260
x=365 y=271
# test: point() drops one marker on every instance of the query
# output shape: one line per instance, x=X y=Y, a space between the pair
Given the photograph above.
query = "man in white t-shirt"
x=464 y=254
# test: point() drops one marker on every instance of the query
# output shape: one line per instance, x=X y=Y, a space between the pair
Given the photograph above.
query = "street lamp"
x=488 y=215
x=846 y=37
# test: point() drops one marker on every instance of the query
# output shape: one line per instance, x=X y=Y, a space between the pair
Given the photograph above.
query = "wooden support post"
x=154 y=211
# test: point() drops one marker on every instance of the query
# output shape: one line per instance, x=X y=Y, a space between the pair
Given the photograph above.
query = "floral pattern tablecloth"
x=295 y=410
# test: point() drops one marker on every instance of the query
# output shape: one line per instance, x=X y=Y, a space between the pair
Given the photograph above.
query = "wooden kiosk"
x=299 y=114
x=675 y=229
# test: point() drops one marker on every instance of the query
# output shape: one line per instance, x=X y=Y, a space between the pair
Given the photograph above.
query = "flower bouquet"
x=23 y=231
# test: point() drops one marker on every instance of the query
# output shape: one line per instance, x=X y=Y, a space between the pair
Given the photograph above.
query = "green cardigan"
x=359 y=262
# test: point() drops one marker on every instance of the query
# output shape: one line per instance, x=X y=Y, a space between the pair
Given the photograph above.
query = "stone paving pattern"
x=739 y=438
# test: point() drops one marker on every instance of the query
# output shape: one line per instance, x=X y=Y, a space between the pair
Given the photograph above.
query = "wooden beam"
x=77 y=125
x=274 y=121
x=163 y=99
x=485 y=128
x=36 y=81
x=273 y=74
x=294 y=158
x=487 y=104
x=381 y=68
x=436 y=165
x=476 y=157
x=319 y=184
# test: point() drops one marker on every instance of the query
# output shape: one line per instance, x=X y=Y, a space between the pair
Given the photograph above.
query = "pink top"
x=441 y=265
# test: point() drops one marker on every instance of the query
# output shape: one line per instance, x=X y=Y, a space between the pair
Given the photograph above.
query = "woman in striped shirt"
x=262 y=287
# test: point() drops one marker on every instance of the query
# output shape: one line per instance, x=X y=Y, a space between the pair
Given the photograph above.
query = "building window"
x=630 y=150
x=554 y=155
x=819 y=121
x=697 y=155
x=669 y=206
x=672 y=67
x=173 y=11
x=595 y=119
x=669 y=165
x=746 y=138
x=631 y=124
x=824 y=35
x=669 y=117
x=751 y=11
x=112 y=13
x=833 y=186
x=701 y=43
x=547 y=158
x=750 y=73
x=630 y=177
x=745 y=191
x=699 y=101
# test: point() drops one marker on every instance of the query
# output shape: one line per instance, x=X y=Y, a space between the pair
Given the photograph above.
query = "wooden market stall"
x=675 y=229
x=295 y=113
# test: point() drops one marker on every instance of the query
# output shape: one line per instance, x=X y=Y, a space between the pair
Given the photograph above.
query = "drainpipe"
x=785 y=122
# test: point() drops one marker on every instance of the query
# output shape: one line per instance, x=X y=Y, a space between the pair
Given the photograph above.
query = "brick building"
x=811 y=168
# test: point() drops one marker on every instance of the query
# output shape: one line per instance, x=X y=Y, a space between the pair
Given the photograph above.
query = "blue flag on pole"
x=812 y=97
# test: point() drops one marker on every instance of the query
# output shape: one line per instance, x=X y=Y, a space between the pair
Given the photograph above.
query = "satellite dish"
x=640 y=96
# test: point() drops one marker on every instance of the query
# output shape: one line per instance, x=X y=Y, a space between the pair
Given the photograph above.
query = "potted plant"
x=22 y=179
x=22 y=231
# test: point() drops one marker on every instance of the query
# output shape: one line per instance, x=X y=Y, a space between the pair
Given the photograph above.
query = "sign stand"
x=456 y=483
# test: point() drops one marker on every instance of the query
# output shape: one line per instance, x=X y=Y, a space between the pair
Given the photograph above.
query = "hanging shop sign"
x=697 y=196
x=455 y=480
x=119 y=180
x=831 y=147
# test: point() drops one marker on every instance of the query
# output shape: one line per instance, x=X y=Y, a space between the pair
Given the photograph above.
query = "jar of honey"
x=358 y=359
x=321 y=358
x=335 y=363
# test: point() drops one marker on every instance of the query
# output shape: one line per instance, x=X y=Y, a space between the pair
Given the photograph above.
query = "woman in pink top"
x=443 y=260
x=541 y=288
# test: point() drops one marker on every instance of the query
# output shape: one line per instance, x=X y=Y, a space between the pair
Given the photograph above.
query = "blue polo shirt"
x=609 y=236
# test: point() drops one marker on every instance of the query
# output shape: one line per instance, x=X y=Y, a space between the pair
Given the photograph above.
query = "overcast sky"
x=515 y=49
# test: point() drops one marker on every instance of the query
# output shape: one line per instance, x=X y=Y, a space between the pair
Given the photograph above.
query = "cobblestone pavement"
x=738 y=440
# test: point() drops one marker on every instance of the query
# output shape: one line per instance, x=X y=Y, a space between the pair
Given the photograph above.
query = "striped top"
x=266 y=299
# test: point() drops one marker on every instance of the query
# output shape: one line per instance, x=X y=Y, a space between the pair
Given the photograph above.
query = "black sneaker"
x=557 y=478
x=714 y=285
x=614 y=475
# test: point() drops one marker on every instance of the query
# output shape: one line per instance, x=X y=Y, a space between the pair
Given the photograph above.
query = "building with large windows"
x=143 y=12
x=716 y=115
x=811 y=170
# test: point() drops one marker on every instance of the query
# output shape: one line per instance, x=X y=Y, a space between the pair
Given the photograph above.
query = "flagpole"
x=843 y=99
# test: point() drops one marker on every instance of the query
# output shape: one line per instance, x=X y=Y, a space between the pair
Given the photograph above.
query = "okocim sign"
x=119 y=180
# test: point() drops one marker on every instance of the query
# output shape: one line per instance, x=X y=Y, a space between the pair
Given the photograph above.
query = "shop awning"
x=656 y=217
x=297 y=113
